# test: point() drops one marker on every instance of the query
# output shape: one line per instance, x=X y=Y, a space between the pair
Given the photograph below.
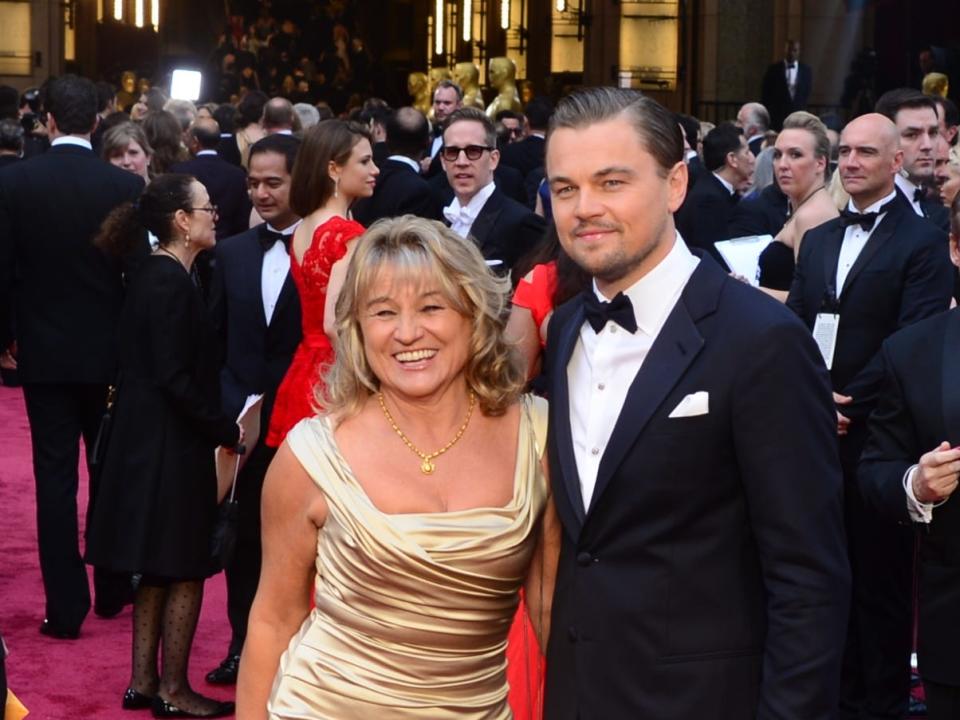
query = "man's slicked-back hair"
x=72 y=100
x=472 y=114
x=655 y=125
x=285 y=145
x=893 y=101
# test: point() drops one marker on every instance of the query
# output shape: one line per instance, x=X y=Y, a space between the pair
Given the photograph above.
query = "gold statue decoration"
x=502 y=76
x=436 y=75
x=126 y=96
x=467 y=76
x=418 y=87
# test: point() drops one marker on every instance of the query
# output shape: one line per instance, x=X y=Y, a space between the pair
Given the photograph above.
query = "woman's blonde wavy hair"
x=424 y=250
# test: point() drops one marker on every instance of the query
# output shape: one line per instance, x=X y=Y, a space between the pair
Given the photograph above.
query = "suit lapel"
x=950 y=388
x=831 y=258
x=678 y=343
x=253 y=273
x=877 y=239
x=482 y=227
x=287 y=291
x=560 y=403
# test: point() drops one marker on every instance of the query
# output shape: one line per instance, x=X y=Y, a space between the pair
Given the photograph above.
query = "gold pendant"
x=427 y=467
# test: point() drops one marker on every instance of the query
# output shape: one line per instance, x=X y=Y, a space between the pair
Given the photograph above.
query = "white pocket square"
x=694 y=404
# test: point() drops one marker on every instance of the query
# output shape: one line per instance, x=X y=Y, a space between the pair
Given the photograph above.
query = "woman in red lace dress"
x=334 y=167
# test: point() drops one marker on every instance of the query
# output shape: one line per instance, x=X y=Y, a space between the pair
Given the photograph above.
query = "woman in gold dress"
x=417 y=506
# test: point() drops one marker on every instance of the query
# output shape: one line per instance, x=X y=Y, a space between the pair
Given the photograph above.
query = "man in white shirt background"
x=877 y=268
x=256 y=310
x=915 y=116
x=502 y=228
x=786 y=85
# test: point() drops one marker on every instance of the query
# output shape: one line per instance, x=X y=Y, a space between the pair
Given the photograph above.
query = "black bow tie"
x=791 y=66
x=619 y=310
x=268 y=238
x=919 y=195
x=864 y=220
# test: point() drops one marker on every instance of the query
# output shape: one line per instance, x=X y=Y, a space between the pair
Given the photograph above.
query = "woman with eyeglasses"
x=334 y=167
x=157 y=497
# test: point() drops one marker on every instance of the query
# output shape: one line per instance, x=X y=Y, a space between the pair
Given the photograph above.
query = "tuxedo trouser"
x=875 y=683
x=59 y=415
x=943 y=701
x=243 y=572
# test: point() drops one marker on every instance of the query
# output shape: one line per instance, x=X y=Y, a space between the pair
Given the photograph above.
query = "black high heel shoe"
x=133 y=700
x=164 y=709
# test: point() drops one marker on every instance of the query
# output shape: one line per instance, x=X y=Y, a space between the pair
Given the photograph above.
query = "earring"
x=336 y=188
x=186 y=240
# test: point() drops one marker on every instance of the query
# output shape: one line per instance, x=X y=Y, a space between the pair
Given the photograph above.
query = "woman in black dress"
x=158 y=499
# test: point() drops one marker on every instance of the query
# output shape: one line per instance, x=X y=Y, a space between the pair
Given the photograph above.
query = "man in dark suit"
x=762 y=213
x=755 y=121
x=859 y=278
x=11 y=142
x=447 y=97
x=503 y=229
x=702 y=571
x=908 y=471
x=915 y=116
x=527 y=155
x=400 y=188
x=254 y=305
x=691 y=141
x=703 y=218
x=67 y=297
x=226 y=183
x=786 y=85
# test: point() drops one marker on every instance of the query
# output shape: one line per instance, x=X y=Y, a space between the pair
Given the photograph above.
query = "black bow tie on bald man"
x=268 y=238
x=864 y=220
x=619 y=310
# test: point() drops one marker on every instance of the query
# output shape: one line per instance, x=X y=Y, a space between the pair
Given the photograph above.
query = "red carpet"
x=71 y=679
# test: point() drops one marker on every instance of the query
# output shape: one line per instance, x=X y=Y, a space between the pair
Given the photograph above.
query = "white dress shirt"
x=461 y=218
x=71 y=140
x=604 y=364
x=435 y=146
x=273 y=272
x=855 y=239
x=205 y=152
x=406 y=161
x=791 y=76
x=908 y=189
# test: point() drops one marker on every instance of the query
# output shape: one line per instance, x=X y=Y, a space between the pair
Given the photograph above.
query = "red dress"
x=315 y=353
x=536 y=294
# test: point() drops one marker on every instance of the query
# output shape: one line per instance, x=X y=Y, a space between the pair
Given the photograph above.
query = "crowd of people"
x=522 y=444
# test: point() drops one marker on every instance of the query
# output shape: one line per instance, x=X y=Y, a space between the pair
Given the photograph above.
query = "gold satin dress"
x=412 y=610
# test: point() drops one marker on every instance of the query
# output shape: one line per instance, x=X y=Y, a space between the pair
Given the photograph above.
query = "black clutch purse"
x=223 y=541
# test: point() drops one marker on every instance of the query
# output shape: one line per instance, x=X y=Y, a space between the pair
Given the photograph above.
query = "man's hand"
x=937 y=473
x=843 y=422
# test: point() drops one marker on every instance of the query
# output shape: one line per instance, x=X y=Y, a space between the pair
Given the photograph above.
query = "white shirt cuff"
x=918 y=511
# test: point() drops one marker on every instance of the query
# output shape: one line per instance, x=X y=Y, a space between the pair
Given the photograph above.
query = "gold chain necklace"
x=427 y=466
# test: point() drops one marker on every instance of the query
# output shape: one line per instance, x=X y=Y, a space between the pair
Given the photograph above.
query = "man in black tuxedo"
x=786 y=85
x=447 y=98
x=702 y=571
x=400 y=189
x=915 y=116
x=691 y=141
x=67 y=297
x=877 y=268
x=703 y=218
x=755 y=121
x=908 y=472
x=502 y=228
x=11 y=142
x=527 y=155
x=255 y=307
x=226 y=183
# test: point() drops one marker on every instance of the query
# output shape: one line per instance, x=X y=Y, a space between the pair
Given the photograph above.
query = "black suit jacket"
x=227 y=186
x=257 y=355
x=709 y=577
x=937 y=214
x=919 y=408
x=67 y=294
x=526 y=155
x=702 y=219
x=902 y=275
x=775 y=95
x=695 y=170
x=400 y=191
x=506 y=230
x=756 y=145
x=762 y=214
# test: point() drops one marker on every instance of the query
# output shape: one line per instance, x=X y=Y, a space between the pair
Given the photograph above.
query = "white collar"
x=412 y=164
x=754 y=137
x=477 y=202
x=654 y=295
x=908 y=188
x=691 y=154
x=723 y=180
x=537 y=133
x=206 y=152
x=875 y=206
x=72 y=140
x=286 y=231
x=284 y=131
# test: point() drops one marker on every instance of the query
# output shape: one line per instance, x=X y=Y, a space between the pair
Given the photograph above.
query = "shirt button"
x=613 y=328
x=595 y=451
x=601 y=386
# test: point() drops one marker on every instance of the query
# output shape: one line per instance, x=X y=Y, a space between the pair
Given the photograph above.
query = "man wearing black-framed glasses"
x=503 y=229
